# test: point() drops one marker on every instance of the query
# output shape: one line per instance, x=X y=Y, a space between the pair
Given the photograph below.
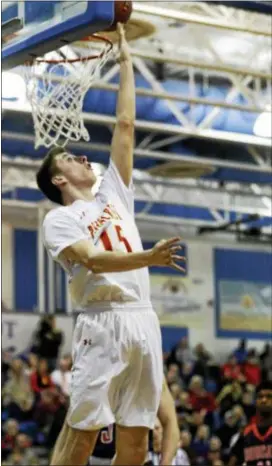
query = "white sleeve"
x=113 y=183
x=60 y=230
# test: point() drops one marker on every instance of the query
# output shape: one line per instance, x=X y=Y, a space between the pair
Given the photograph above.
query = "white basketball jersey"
x=108 y=221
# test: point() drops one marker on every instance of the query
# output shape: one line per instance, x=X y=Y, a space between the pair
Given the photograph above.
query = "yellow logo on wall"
x=247 y=302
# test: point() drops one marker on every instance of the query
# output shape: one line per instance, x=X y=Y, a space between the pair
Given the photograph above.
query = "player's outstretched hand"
x=165 y=253
x=123 y=45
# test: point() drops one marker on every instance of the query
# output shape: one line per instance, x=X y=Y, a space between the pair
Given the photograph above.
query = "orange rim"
x=93 y=37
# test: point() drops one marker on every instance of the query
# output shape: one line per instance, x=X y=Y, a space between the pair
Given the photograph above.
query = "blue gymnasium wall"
x=25 y=273
x=25 y=270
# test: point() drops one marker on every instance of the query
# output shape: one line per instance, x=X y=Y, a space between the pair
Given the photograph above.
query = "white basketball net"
x=56 y=93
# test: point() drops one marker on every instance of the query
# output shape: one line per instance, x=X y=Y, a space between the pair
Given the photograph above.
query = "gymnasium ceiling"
x=217 y=78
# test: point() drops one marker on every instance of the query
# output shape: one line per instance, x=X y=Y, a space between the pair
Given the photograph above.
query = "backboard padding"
x=48 y=25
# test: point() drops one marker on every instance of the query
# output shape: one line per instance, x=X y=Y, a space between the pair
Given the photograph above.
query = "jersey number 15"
x=107 y=244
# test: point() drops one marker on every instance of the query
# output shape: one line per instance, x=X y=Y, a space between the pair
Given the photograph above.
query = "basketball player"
x=254 y=446
x=167 y=419
x=117 y=361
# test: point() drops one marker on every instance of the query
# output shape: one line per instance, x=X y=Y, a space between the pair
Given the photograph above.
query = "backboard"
x=33 y=28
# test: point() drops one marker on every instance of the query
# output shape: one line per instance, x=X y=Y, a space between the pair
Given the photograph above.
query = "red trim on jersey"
x=248 y=429
x=254 y=429
x=257 y=434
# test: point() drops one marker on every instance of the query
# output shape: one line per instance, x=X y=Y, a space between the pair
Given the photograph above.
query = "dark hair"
x=264 y=386
x=45 y=174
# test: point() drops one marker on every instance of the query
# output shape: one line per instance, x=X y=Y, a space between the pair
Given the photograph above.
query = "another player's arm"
x=168 y=418
x=123 y=136
x=164 y=253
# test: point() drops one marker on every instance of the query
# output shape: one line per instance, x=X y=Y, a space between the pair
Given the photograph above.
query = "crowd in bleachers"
x=213 y=402
x=35 y=387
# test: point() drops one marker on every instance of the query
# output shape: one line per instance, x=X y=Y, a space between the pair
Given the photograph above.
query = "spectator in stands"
x=231 y=370
x=5 y=364
x=252 y=371
x=230 y=395
x=239 y=416
x=11 y=429
x=47 y=407
x=182 y=353
x=17 y=396
x=173 y=374
x=61 y=406
x=196 y=420
x=201 y=443
x=202 y=359
x=41 y=379
x=22 y=453
x=48 y=340
x=184 y=410
x=181 y=457
x=187 y=371
x=176 y=391
x=240 y=353
x=62 y=376
x=186 y=443
x=227 y=430
x=266 y=362
x=214 y=453
x=248 y=405
x=32 y=363
x=185 y=403
x=200 y=399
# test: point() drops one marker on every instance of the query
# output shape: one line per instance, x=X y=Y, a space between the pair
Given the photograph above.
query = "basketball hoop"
x=56 y=86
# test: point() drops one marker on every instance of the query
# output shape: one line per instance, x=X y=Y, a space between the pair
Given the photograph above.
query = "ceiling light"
x=13 y=87
x=263 y=125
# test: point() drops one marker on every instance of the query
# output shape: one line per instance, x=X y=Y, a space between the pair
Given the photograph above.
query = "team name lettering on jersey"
x=260 y=452
x=109 y=213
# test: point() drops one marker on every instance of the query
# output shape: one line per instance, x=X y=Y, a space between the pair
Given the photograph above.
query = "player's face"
x=76 y=170
x=264 y=401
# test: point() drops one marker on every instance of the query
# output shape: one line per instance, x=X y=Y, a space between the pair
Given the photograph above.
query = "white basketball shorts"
x=117 y=369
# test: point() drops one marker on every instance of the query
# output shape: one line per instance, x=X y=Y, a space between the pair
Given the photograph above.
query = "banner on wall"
x=243 y=294
x=179 y=301
x=182 y=300
x=18 y=330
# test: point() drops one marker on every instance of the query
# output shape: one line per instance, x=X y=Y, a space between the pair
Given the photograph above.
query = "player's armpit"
x=79 y=252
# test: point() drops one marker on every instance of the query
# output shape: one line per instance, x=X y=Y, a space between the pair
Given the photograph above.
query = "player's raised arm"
x=123 y=136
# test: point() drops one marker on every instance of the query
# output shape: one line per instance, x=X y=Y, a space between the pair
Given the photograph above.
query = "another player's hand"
x=123 y=45
x=165 y=253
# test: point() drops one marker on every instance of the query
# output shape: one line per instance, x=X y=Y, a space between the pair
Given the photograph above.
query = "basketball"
x=122 y=13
